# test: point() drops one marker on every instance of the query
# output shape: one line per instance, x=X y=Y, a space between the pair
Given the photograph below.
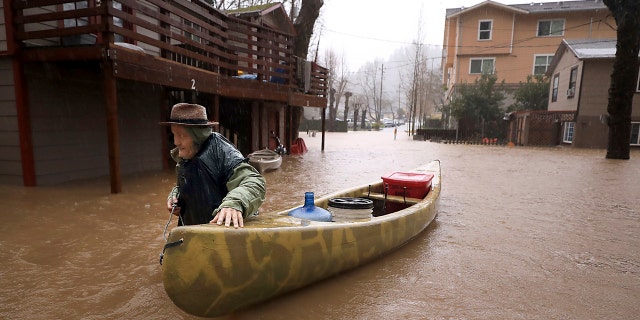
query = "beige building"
x=514 y=41
x=580 y=78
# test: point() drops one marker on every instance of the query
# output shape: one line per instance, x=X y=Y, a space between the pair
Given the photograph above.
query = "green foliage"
x=478 y=101
x=532 y=95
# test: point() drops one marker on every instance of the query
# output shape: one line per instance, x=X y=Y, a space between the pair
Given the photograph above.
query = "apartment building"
x=514 y=41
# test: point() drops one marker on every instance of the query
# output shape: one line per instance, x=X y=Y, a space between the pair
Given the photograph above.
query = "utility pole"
x=398 y=110
x=380 y=108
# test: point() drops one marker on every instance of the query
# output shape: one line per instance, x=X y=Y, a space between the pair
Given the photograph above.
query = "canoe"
x=209 y=270
x=265 y=160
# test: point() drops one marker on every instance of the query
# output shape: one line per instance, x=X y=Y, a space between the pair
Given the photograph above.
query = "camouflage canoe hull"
x=211 y=270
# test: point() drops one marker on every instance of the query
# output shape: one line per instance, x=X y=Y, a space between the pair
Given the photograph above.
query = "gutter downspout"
x=513 y=31
x=456 y=60
x=579 y=93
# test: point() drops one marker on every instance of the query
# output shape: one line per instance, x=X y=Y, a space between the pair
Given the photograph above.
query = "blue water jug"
x=309 y=211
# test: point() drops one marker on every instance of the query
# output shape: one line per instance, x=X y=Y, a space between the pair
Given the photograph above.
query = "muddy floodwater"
x=521 y=233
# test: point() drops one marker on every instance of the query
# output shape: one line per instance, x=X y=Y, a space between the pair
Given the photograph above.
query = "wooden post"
x=324 y=109
x=111 y=103
x=24 y=125
x=22 y=100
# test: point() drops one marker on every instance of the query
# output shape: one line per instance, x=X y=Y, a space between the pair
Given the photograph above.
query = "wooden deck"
x=180 y=44
x=177 y=44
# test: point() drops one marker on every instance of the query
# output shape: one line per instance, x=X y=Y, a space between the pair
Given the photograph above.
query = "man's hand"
x=171 y=203
x=227 y=215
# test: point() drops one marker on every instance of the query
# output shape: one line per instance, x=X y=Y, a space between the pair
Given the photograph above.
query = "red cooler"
x=408 y=184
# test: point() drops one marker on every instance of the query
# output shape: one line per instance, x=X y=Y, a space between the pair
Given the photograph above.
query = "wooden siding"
x=10 y=163
x=563 y=69
x=594 y=90
x=448 y=52
x=590 y=130
x=68 y=121
x=3 y=29
x=502 y=22
x=140 y=134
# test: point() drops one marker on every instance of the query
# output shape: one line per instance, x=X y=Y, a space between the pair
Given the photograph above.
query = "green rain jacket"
x=217 y=177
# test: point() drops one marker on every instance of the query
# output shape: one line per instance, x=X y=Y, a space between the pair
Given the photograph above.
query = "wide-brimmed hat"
x=188 y=114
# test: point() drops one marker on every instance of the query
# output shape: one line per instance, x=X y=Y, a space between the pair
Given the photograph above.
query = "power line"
x=381 y=40
x=513 y=44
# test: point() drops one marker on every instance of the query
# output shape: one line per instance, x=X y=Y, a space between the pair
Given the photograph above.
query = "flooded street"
x=521 y=233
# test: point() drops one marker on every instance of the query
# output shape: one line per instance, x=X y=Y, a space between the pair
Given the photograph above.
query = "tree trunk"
x=309 y=12
x=624 y=76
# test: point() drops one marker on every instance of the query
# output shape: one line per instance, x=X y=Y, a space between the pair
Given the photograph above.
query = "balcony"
x=187 y=45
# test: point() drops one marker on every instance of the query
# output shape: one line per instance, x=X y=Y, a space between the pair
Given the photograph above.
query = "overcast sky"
x=363 y=30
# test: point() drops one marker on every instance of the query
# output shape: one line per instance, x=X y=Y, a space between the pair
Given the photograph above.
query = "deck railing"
x=191 y=33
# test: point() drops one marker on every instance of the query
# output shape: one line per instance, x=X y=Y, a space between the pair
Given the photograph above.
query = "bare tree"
x=338 y=80
x=422 y=84
x=342 y=80
x=331 y=63
x=414 y=87
x=370 y=78
x=304 y=22
x=623 y=77
x=347 y=95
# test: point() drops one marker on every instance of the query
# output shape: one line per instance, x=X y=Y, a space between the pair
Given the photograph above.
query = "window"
x=484 y=29
x=567 y=136
x=550 y=28
x=635 y=134
x=554 y=93
x=481 y=66
x=541 y=63
x=572 y=82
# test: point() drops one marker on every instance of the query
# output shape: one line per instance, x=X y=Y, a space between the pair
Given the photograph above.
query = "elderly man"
x=215 y=184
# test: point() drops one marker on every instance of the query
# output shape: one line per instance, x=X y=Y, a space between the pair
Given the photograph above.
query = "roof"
x=255 y=10
x=536 y=7
x=592 y=48
x=280 y=19
x=584 y=49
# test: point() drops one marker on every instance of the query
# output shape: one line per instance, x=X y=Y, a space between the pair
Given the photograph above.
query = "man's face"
x=183 y=141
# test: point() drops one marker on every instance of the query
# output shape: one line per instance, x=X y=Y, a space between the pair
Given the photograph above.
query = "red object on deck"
x=298 y=146
x=408 y=184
